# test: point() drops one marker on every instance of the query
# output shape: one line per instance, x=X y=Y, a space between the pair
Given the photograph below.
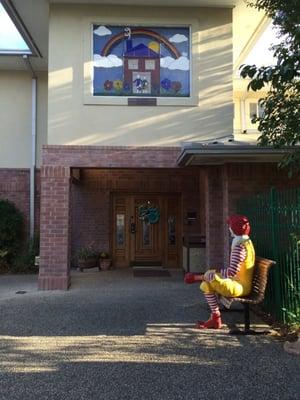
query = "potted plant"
x=87 y=257
x=104 y=261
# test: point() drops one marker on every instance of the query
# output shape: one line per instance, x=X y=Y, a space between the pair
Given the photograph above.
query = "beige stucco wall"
x=70 y=121
x=42 y=114
x=15 y=112
x=248 y=23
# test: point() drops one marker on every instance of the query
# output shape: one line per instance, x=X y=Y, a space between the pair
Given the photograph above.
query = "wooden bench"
x=259 y=284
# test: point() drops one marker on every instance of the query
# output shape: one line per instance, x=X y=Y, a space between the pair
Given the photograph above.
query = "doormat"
x=150 y=272
x=142 y=264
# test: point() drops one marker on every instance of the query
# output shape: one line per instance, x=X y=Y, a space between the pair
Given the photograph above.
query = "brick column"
x=55 y=228
x=216 y=211
x=227 y=206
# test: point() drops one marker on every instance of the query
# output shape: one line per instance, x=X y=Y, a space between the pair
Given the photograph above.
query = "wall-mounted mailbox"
x=191 y=215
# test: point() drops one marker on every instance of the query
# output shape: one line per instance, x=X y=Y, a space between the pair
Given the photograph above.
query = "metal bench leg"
x=246 y=317
x=247 y=330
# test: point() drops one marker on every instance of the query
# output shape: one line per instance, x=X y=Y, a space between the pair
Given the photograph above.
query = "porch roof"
x=216 y=153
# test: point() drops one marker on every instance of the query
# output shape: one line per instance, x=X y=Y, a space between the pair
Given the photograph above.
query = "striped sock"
x=212 y=302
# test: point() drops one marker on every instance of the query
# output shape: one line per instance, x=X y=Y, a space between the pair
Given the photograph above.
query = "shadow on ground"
x=113 y=336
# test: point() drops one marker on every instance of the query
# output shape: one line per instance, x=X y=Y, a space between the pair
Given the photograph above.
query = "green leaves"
x=11 y=224
x=248 y=71
x=280 y=124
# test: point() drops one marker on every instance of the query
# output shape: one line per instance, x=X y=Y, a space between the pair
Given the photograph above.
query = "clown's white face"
x=231 y=232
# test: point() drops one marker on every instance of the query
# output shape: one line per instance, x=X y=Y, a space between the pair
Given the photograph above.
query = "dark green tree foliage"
x=25 y=261
x=280 y=124
x=11 y=224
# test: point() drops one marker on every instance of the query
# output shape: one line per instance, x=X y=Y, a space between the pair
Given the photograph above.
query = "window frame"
x=259 y=111
x=90 y=99
x=152 y=65
x=131 y=60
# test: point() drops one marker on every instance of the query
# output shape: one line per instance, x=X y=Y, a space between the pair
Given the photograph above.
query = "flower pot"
x=105 y=263
x=90 y=262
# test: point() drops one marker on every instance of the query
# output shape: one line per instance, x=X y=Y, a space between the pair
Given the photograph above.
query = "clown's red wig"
x=239 y=224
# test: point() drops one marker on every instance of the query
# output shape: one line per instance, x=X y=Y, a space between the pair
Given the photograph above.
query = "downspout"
x=243 y=112
x=243 y=115
x=33 y=145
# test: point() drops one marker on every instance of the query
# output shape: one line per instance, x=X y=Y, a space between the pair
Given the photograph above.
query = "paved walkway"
x=116 y=337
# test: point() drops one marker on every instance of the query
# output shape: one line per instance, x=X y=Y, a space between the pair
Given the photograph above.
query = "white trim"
x=261 y=27
x=15 y=52
x=33 y=153
x=88 y=23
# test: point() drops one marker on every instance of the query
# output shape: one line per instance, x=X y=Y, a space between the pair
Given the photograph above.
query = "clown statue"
x=234 y=281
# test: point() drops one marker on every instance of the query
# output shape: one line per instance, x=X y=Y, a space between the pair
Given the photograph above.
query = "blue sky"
x=10 y=38
x=260 y=54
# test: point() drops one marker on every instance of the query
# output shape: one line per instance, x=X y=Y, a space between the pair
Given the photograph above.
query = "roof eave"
x=217 y=155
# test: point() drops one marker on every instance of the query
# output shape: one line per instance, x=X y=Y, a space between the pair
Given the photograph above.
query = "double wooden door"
x=136 y=241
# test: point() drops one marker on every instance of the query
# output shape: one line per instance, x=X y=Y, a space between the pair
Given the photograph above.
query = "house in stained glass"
x=141 y=69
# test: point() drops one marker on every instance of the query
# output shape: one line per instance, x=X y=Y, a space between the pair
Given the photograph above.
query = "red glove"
x=190 y=277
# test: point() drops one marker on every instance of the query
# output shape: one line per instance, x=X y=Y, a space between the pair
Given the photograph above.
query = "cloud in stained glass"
x=181 y=63
x=107 y=62
x=102 y=31
x=178 y=38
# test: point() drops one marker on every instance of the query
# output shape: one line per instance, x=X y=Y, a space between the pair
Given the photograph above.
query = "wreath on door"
x=148 y=213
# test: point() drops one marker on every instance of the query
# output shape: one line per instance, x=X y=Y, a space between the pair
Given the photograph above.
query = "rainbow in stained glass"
x=141 y=61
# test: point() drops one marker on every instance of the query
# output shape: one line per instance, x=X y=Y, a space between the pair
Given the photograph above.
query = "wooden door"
x=147 y=241
x=120 y=231
x=173 y=231
x=136 y=242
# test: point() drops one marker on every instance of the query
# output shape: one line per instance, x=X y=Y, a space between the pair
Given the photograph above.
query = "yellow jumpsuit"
x=240 y=284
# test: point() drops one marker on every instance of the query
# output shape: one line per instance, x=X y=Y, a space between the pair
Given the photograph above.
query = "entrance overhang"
x=197 y=154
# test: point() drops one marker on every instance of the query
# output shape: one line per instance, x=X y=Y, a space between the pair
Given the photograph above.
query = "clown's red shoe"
x=214 y=322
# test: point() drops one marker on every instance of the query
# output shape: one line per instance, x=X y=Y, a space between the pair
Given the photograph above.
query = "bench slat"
x=259 y=281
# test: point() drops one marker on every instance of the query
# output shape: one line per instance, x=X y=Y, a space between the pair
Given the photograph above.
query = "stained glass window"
x=120 y=231
x=141 y=61
x=171 y=230
x=146 y=234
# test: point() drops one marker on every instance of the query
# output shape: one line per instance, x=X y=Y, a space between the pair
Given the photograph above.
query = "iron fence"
x=275 y=232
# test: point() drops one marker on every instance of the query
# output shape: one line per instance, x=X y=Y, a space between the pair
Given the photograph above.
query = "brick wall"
x=15 y=187
x=248 y=179
x=224 y=186
x=110 y=156
x=214 y=190
x=58 y=213
x=90 y=217
x=214 y=209
x=55 y=228
x=91 y=199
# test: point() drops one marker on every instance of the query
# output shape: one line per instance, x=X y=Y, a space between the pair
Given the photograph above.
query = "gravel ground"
x=113 y=336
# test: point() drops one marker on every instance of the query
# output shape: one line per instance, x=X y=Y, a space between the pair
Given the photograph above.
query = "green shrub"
x=87 y=252
x=25 y=262
x=11 y=227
